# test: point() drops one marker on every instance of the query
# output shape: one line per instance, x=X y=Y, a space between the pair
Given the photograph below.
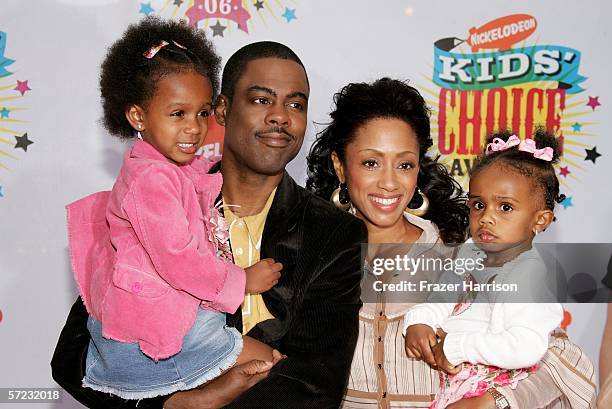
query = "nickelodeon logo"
x=502 y=33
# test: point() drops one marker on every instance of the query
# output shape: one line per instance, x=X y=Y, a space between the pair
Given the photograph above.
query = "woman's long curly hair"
x=358 y=103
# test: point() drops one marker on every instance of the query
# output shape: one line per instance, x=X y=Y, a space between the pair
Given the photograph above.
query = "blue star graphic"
x=289 y=14
x=146 y=9
x=4 y=112
x=577 y=127
x=567 y=202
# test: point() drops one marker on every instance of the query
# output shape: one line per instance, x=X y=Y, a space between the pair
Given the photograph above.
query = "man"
x=311 y=314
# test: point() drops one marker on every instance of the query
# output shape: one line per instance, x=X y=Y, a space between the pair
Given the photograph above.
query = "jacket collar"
x=281 y=216
x=144 y=150
x=284 y=204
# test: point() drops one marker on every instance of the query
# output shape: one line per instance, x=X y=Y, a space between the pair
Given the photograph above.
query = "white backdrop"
x=57 y=46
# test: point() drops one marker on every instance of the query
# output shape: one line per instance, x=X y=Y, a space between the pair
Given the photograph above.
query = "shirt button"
x=239 y=251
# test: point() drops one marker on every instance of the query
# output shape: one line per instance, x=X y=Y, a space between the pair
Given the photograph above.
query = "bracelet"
x=500 y=400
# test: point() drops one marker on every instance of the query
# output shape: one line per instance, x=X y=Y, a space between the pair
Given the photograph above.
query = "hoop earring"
x=340 y=197
x=422 y=209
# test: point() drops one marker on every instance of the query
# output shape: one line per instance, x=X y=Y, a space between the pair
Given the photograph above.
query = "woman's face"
x=380 y=169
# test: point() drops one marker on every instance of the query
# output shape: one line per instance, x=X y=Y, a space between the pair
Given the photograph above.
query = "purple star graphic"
x=564 y=171
x=593 y=102
x=22 y=87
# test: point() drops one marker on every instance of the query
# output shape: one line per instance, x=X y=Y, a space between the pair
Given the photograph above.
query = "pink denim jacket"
x=141 y=254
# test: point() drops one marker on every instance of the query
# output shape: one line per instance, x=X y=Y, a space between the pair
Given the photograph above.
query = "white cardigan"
x=506 y=335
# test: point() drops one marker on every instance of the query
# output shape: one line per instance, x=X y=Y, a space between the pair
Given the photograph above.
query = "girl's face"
x=380 y=170
x=175 y=119
x=506 y=210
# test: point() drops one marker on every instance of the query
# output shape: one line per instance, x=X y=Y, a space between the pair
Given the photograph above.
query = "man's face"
x=265 y=121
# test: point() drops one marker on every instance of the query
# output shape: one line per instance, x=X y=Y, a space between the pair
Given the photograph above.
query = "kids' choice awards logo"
x=492 y=79
x=223 y=17
x=14 y=138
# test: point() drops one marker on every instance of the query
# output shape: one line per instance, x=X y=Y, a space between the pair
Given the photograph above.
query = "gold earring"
x=340 y=197
x=422 y=209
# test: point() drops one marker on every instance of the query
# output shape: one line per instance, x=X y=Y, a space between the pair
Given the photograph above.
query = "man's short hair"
x=237 y=63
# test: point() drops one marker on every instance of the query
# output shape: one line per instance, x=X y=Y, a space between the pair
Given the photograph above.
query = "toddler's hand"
x=420 y=338
x=440 y=357
x=262 y=276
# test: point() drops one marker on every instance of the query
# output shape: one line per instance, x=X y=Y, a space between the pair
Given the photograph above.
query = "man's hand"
x=485 y=401
x=222 y=390
x=419 y=340
x=440 y=357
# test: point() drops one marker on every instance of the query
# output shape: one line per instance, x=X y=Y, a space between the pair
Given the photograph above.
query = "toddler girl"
x=152 y=258
x=512 y=194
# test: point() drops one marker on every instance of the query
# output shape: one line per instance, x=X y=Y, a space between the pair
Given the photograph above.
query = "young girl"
x=152 y=258
x=513 y=190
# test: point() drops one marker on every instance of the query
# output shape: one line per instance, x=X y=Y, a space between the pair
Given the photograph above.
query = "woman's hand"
x=420 y=338
x=440 y=357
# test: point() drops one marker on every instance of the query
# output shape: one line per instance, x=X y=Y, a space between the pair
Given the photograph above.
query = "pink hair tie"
x=529 y=145
x=154 y=50
x=499 y=145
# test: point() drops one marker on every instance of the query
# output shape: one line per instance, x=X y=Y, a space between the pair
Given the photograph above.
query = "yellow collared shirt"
x=245 y=235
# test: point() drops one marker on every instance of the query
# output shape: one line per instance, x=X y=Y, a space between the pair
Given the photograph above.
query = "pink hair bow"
x=499 y=145
x=529 y=145
x=154 y=50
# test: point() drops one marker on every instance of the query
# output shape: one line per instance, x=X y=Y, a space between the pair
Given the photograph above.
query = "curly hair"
x=540 y=171
x=127 y=77
x=237 y=63
x=358 y=103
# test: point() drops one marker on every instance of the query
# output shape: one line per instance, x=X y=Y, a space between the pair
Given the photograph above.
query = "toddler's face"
x=175 y=119
x=505 y=209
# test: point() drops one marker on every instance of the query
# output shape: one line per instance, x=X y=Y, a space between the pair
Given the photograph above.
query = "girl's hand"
x=440 y=358
x=419 y=340
x=262 y=276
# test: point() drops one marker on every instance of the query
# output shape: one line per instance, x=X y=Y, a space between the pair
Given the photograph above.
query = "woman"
x=371 y=160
